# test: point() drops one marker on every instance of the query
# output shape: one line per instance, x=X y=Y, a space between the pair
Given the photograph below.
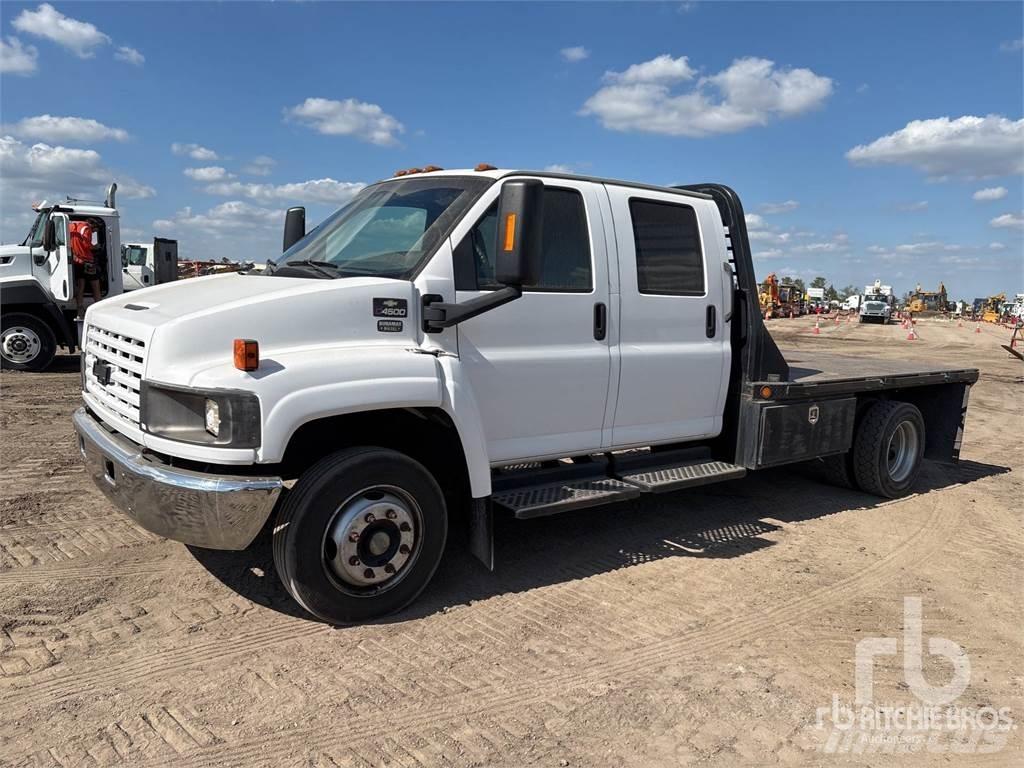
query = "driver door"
x=59 y=261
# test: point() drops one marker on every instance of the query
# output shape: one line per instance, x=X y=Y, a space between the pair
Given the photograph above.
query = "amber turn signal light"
x=247 y=354
x=510 y=232
x=766 y=392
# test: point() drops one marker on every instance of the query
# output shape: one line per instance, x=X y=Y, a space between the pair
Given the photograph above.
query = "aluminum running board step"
x=553 y=498
x=673 y=477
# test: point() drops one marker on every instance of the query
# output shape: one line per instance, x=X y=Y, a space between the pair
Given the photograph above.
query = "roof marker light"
x=485 y=167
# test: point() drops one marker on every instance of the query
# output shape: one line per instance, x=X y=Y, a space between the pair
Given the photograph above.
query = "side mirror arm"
x=438 y=315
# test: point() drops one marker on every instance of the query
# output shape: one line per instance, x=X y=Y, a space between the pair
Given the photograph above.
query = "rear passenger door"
x=539 y=366
x=672 y=342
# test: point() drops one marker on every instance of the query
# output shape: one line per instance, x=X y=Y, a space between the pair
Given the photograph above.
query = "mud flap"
x=481 y=532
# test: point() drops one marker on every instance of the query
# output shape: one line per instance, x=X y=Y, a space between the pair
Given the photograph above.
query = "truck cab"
x=455 y=345
x=144 y=265
x=38 y=301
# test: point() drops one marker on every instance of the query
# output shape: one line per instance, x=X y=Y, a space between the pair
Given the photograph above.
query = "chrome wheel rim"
x=20 y=344
x=372 y=540
x=901 y=454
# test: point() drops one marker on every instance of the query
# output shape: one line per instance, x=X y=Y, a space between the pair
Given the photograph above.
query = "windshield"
x=134 y=256
x=388 y=228
x=35 y=235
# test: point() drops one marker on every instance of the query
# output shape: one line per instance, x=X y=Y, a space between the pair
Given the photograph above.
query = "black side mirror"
x=294 y=226
x=50 y=236
x=520 y=227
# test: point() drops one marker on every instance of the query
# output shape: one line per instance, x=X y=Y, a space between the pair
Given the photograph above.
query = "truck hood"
x=15 y=260
x=189 y=326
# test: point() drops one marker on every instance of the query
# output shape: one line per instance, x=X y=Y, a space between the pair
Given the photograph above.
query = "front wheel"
x=888 y=449
x=360 y=535
x=26 y=342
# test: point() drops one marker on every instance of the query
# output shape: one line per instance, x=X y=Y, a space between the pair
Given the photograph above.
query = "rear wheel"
x=888 y=448
x=360 y=535
x=26 y=342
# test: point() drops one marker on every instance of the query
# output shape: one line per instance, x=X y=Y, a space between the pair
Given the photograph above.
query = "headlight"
x=222 y=417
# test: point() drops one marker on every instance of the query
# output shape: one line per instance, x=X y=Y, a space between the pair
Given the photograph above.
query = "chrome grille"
x=125 y=356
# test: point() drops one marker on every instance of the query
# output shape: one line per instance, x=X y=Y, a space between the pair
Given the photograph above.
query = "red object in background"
x=81 y=242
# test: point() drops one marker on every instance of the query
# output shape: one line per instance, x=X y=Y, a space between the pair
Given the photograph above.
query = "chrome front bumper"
x=205 y=510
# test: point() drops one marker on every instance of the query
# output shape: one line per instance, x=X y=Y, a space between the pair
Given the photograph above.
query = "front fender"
x=301 y=386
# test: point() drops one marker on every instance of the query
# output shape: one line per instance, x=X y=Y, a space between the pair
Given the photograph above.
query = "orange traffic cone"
x=817 y=330
x=977 y=328
x=912 y=335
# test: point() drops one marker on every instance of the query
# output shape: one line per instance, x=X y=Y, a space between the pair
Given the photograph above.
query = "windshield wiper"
x=316 y=266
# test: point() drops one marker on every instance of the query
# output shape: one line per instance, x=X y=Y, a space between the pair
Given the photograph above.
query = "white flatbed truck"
x=455 y=345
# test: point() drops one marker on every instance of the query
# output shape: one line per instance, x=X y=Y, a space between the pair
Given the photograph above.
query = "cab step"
x=673 y=478
x=553 y=498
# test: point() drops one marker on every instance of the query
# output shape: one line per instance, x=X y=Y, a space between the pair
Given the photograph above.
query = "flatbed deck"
x=828 y=374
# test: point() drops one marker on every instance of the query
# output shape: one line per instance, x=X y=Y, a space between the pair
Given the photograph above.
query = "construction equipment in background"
x=195 y=268
x=768 y=294
x=928 y=302
x=790 y=301
x=992 y=308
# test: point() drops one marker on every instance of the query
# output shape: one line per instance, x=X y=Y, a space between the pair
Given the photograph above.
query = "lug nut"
x=389 y=568
x=404 y=549
x=391 y=514
x=368 y=573
x=369 y=517
x=353 y=560
x=404 y=527
x=354 y=536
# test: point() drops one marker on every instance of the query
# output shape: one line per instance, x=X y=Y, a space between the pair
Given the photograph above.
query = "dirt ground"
x=705 y=627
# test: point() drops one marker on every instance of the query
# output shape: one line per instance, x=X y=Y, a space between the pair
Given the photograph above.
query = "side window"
x=566 y=243
x=668 y=254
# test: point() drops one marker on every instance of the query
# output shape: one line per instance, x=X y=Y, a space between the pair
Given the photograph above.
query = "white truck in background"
x=148 y=264
x=455 y=345
x=37 y=286
x=877 y=303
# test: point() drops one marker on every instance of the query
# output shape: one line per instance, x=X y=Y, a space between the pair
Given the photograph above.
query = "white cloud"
x=915 y=207
x=775 y=208
x=130 y=55
x=68 y=129
x=79 y=37
x=997 y=246
x=558 y=168
x=750 y=92
x=261 y=165
x=16 y=58
x=661 y=69
x=990 y=193
x=350 y=117
x=768 y=253
x=968 y=147
x=209 y=173
x=1010 y=46
x=574 y=54
x=326 y=191
x=754 y=221
x=863 y=88
x=1008 y=221
x=231 y=215
x=195 y=151
x=42 y=170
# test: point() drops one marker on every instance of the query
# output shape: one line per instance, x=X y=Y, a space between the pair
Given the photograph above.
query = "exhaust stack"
x=111 y=192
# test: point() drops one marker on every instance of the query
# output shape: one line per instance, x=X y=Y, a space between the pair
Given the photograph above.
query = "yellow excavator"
x=992 y=309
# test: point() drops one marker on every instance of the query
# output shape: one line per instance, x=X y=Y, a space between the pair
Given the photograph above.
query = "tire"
x=327 y=506
x=838 y=470
x=888 y=427
x=27 y=343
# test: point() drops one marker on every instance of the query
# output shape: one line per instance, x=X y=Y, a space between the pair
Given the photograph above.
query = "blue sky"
x=858 y=135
